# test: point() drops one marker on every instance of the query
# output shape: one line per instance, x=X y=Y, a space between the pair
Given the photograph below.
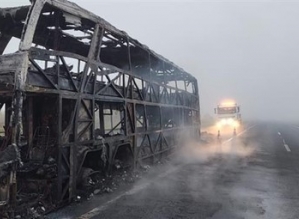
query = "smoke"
x=196 y=181
x=199 y=153
x=198 y=175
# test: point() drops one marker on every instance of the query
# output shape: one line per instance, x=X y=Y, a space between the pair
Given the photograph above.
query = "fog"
x=196 y=179
x=245 y=50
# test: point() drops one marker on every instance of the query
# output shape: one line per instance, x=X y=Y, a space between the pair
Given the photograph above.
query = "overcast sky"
x=244 y=50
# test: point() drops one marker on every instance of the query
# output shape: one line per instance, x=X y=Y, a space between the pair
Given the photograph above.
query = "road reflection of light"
x=225 y=131
x=227 y=144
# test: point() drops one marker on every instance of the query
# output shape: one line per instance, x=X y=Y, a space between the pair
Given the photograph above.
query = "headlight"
x=223 y=121
x=230 y=121
x=236 y=124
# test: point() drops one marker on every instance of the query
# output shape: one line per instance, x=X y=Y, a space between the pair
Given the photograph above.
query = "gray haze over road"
x=253 y=175
x=247 y=50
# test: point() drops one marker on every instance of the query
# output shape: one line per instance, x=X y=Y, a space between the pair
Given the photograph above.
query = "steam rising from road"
x=196 y=152
x=198 y=181
x=202 y=171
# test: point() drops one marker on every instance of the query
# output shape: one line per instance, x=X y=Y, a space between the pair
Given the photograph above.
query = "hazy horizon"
x=242 y=50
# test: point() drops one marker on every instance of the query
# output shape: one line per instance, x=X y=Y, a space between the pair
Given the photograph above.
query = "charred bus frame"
x=80 y=94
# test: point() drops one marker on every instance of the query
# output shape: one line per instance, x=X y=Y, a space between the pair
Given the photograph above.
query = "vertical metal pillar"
x=59 y=162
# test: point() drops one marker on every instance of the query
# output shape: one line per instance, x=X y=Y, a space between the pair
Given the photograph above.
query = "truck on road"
x=228 y=117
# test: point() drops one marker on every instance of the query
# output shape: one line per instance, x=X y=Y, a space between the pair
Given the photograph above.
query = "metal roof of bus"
x=75 y=9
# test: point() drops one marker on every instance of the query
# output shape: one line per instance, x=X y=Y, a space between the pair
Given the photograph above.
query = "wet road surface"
x=254 y=175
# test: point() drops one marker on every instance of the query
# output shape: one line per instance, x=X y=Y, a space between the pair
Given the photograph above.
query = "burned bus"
x=76 y=95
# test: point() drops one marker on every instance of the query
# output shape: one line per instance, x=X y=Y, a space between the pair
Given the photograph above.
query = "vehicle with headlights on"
x=228 y=117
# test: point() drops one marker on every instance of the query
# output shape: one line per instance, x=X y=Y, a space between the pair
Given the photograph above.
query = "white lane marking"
x=286 y=146
x=228 y=140
x=284 y=143
x=241 y=133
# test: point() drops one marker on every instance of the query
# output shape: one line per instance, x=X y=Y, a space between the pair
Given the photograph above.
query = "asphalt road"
x=253 y=175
